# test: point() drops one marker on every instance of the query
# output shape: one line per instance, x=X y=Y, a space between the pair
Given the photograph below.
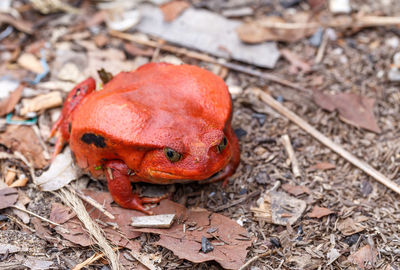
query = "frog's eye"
x=172 y=155
x=221 y=146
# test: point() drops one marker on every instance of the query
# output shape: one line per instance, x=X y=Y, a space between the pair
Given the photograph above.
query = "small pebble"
x=316 y=39
x=206 y=245
x=393 y=42
x=339 y=6
x=260 y=117
x=275 y=242
x=240 y=132
x=352 y=239
x=331 y=34
x=279 y=99
x=242 y=191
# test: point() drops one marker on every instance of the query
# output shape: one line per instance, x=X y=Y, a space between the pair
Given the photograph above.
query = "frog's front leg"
x=62 y=127
x=119 y=185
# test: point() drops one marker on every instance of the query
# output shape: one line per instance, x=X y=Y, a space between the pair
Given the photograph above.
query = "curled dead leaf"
x=319 y=212
x=8 y=196
x=364 y=258
x=8 y=104
x=349 y=226
x=323 y=166
x=295 y=190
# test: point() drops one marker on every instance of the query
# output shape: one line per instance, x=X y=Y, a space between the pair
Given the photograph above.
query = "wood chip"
x=157 y=221
x=42 y=102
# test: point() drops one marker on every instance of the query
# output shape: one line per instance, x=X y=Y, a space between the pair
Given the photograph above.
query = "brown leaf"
x=319 y=212
x=173 y=9
x=323 y=166
x=229 y=256
x=261 y=30
x=8 y=104
x=353 y=109
x=8 y=196
x=296 y=63
x=295 y=190
x=349 y=227
x=365 y=257
x=24 y=140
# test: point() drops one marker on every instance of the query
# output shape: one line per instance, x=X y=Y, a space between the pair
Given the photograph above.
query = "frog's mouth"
x=160 y=177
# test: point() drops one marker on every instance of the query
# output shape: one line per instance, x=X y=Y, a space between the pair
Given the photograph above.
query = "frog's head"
x=199 y=157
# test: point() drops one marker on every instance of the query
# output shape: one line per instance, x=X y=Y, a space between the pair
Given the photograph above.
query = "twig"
x=270 y=101
x=321 y=49
x=95 y=204
x=235 y=202
x=35 y=215
x=293 y=160
x=255 y=258
x=69 y=197
x=207 y=58
x=92 y=259
x=346 y=22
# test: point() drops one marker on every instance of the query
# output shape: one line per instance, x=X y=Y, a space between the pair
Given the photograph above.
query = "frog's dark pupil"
x=170 y=153
x=225 y=141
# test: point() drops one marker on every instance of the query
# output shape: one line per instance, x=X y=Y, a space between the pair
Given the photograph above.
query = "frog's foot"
x=119 y=185
x=62 y=127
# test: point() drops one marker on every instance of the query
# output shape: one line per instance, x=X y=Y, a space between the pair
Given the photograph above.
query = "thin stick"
x=270 y=101
x=92 y=259
x=69 y=197
x=321 y=49
x=35 y=215
x=347 y=22
x=255 y=258
x=207 y=58
x=95 y=204
x=293 y=160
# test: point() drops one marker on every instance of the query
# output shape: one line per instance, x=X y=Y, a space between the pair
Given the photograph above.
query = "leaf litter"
x=230 y=252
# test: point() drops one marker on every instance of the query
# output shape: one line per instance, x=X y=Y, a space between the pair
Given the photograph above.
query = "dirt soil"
x=354 y=63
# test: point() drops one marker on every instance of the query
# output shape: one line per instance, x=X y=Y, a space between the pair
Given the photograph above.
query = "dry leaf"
x=279 y=208
x=261 y=30
x=8 y=196
x=365 y=257
x=323 y=166
x=349 y=226
x=173 y=9
x=230 y=256
x=296 y=63
x=7 y=105
x=61 y=172
x=295 y=190
x=24 y=140
x=319 y=212
x=353 y=109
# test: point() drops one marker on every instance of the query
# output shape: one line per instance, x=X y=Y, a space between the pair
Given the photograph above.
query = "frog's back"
x=151 y=107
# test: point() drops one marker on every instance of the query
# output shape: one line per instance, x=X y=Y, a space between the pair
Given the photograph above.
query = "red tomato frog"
x=159 y=124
